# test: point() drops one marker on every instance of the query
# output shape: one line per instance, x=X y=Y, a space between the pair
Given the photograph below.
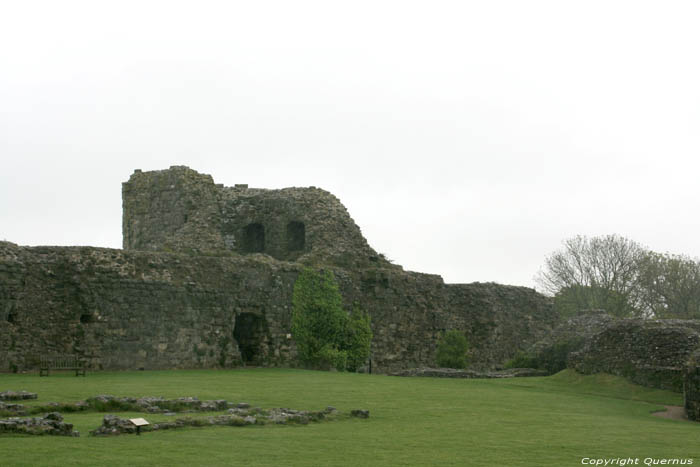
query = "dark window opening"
x=296 y=236
x=254 y=238
x=250 y=334
x=86 y=318
x=11 y=318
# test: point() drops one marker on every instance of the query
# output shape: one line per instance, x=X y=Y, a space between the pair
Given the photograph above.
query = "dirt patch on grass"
x=674 y=412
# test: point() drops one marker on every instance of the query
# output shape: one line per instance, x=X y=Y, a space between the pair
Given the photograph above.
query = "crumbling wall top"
x=179 y=209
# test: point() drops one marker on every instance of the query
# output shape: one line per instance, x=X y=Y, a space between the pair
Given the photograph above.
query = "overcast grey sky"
x=467 y=139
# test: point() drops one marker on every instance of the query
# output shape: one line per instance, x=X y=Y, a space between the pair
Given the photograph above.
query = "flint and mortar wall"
x=130 y=309
x=652 y=353
x=181 y=210
x=136 y=309
x=691 y=387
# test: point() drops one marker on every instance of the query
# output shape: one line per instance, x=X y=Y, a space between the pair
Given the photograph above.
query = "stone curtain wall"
x=652 y=353
x=410 y=312
x=691 y=387
x=129 y=310
x=499 y=319
x=662 y=354
x=136 y=309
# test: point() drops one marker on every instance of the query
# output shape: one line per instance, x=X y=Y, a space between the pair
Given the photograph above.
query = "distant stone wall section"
x=691 y=387
x=575 y=331
x=500 y=320
x=652 y=353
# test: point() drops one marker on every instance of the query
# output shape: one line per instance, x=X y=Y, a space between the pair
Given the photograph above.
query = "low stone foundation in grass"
x=12 y=409
x=16 y=395
x=149 y=404
x=152 y=404
x=238 y=416
x=453 y=373
x=50 y=424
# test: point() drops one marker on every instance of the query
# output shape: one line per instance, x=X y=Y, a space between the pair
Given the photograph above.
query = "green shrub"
x=358 y=339
x=452 y=350
x=318 y=318
x=522 y=360
x=331 y=357
x=325 y=335
x=552 y=358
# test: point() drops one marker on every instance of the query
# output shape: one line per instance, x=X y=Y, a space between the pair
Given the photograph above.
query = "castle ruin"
x=205 y=280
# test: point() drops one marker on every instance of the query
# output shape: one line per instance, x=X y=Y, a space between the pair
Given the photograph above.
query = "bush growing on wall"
x=324 y=333
x=452 y=350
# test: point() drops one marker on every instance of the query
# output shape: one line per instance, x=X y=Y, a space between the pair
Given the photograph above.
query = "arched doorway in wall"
x=251 y=334
x=253 y=238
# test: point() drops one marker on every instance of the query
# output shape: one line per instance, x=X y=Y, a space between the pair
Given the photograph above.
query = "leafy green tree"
x=452 y=350
x=324 y=333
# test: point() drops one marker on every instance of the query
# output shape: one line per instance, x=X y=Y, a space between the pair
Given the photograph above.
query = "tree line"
x=622 y=277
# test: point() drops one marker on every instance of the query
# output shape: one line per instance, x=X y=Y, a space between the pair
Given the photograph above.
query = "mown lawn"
x=556 y=420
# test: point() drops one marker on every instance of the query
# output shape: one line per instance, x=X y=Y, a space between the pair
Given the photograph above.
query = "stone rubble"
x=236 y=416
x=453 y=373
x=14 y=409
x=360 y=413
x=17 y=395
x=152 y=404
x=50 y=424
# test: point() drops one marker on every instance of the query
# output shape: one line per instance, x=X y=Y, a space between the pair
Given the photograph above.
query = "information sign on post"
x=138 y=423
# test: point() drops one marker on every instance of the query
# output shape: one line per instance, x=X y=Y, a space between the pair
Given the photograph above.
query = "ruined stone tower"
x=181 y=210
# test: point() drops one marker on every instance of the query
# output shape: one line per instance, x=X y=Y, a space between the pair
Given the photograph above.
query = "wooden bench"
x=61 y=362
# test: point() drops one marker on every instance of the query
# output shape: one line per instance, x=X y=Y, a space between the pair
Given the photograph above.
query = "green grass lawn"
x=556 y=420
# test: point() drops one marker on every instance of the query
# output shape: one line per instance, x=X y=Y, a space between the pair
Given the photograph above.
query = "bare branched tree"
x=598 y=272
x=670 y=286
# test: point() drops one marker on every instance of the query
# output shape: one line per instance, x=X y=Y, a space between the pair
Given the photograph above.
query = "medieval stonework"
x=691 y=387
x=205 y=280
x=180 y=210
x=653 y=353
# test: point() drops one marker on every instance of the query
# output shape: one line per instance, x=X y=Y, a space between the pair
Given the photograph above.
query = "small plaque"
x=139 y=421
